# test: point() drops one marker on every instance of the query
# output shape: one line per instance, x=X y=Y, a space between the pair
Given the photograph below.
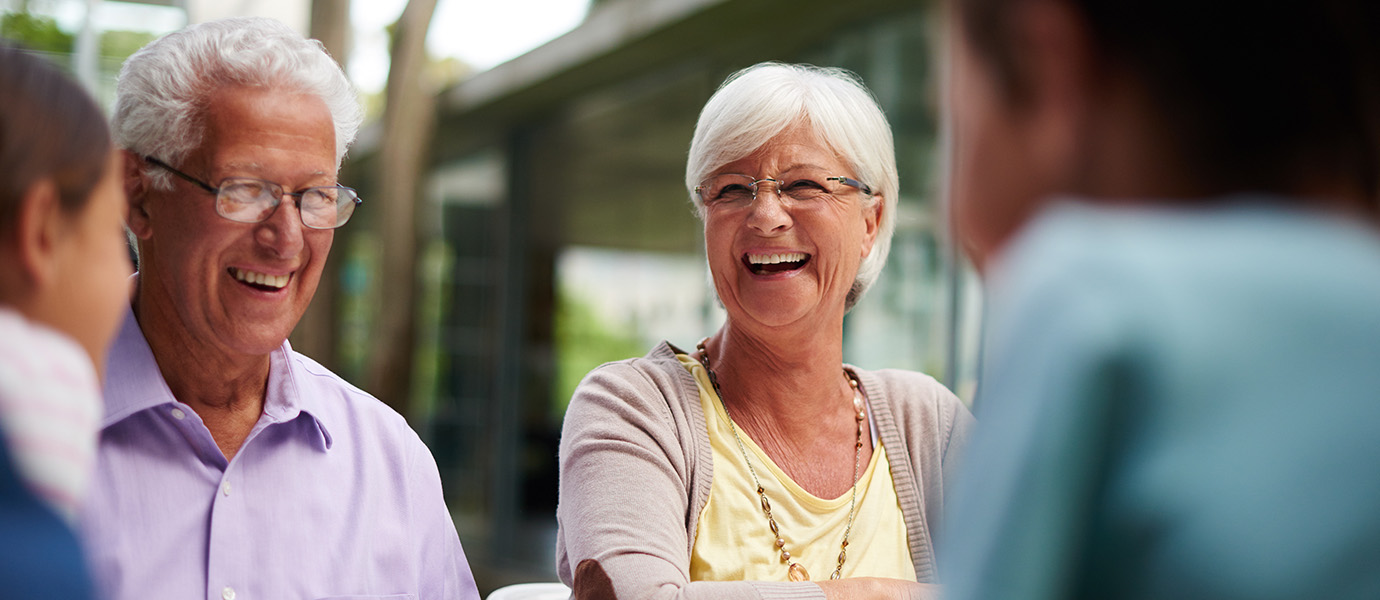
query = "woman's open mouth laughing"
x=775 y=263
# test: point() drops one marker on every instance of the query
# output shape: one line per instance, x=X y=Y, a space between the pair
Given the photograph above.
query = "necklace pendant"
x=798 y=573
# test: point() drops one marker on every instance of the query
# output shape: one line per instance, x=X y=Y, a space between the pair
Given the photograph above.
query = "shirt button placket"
x=225 y=563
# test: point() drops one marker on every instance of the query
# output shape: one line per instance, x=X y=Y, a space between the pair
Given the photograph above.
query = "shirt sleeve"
x=624 y=498
x=445 y=572
x=1056 y=369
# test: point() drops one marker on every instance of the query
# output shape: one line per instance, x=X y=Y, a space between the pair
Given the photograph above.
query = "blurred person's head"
x=781 y=117
x=1165 y=101
x=234 y=132
x=64 y=258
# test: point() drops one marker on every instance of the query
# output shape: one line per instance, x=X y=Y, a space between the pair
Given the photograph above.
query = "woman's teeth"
x=263 y=279
x=772 y=259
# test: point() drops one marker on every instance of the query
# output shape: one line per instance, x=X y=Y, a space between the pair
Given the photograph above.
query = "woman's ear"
x=137 y=187
x=37 y=231
x=872 y=222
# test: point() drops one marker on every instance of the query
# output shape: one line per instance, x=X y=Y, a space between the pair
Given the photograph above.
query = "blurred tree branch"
x=316 y=334
x=408 y=116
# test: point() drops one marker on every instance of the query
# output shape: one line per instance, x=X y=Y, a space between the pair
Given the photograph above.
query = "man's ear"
x=37 y=230
x=872 y=221
x=137 y=187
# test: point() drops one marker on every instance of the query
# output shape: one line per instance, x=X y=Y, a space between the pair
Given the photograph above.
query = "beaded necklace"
x=794 y=570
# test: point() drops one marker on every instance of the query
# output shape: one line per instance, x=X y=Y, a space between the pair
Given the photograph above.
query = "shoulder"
x=1238 y=241
x=909 y=390
x=652 y=385
x=922 y=407
x=650 y=403
x=347 y=410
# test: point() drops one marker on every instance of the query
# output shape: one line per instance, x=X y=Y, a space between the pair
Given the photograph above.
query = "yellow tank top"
x=734 y=543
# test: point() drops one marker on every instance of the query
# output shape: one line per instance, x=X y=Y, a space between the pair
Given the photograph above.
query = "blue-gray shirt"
x=1176 y=403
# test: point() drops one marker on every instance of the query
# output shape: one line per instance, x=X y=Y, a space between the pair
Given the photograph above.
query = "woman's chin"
x=769 y=311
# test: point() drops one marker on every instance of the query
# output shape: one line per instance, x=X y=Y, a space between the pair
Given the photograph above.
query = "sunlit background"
x=525 y=218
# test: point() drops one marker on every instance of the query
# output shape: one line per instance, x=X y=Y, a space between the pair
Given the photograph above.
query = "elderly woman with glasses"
x=759 y=464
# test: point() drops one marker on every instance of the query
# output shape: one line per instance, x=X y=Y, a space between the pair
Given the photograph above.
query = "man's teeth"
x=772 y=259
x=264 y=279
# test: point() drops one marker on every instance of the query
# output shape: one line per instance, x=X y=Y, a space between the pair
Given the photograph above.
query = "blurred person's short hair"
x=1255 y=96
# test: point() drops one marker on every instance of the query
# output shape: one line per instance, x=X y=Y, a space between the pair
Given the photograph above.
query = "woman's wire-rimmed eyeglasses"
x=736 y=187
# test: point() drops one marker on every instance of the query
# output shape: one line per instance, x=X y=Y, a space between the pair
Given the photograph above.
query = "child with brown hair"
x=64 y=266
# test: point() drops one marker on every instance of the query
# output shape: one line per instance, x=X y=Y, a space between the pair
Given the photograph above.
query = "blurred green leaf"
x=35 y=32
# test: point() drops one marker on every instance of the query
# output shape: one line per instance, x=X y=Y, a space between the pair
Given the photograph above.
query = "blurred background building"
x=548 y=228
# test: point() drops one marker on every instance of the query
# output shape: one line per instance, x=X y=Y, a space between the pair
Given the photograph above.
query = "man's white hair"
x=164 y=88
x=758 y=103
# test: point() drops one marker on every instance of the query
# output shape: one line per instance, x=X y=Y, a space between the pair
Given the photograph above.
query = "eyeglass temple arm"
x=849 y=181
x=165 y=166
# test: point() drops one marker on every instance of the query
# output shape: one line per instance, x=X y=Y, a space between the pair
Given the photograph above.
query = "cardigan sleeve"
x=627 y=461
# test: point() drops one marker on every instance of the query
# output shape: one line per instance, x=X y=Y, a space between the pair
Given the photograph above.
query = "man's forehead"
x=256 y=167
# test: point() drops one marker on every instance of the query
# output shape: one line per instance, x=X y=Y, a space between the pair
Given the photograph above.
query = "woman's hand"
x=879 y=588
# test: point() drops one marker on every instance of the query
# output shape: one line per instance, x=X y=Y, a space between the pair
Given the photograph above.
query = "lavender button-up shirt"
x=332 y=494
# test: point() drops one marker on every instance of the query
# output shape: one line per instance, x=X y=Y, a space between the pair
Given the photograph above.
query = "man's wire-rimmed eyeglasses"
x=249 y=200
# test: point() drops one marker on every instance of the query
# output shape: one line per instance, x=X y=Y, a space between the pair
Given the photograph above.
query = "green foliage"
x=35 y=32
x=121 y=44
x=584 y=341
x=41 y=33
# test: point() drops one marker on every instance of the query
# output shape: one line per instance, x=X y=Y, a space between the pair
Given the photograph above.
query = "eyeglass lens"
x=734 y=188
x=252 y=201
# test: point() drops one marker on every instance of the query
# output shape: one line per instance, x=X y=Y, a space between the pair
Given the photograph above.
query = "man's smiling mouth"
x=261 y=281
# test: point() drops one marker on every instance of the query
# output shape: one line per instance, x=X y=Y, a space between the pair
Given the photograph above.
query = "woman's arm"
x=624 y=493
x=869 y=588
x=624 y=500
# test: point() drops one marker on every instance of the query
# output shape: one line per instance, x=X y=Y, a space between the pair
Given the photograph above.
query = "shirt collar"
x=134 y=383
x=291 y=392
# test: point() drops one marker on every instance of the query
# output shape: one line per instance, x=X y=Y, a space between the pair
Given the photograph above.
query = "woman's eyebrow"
x=802 y=166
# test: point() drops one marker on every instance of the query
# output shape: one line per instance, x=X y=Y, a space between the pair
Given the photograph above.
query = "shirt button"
x=178 y=414
x=228 y=593
x=225 y=489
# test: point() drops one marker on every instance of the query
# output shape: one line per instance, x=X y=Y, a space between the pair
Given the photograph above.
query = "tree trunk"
x=316 y=334
x=407 y=121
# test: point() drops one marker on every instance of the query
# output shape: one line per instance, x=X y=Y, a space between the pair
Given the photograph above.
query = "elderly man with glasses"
x=230 y=466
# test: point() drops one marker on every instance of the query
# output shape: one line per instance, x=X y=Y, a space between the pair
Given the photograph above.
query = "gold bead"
x=798 y=573
x=785 y=555
x=780 y=543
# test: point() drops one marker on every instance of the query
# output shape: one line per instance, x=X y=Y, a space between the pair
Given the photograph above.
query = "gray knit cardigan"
x=636 y=468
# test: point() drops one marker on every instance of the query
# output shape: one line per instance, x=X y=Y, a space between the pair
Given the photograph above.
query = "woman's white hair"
x=758 y=103
x=164 y=88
